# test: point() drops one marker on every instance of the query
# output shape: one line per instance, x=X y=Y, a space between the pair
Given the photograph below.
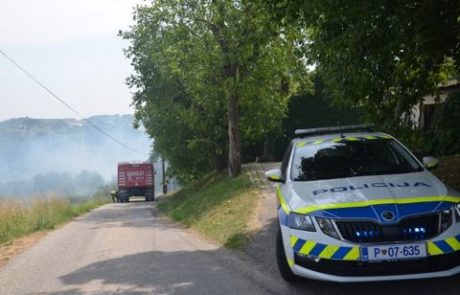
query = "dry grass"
x=21 y=217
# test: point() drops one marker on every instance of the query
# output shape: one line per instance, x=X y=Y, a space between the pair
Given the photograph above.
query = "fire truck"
x=136 y=179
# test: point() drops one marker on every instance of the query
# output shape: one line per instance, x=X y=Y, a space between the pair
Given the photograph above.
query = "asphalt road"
x=131 y=249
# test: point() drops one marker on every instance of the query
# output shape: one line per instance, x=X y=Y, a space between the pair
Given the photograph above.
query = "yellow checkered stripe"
x=446 y=246
x=340 y=139
x=324 y=251
x=335 y=252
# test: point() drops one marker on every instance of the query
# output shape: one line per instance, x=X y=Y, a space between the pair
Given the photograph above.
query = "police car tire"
x=283 y=267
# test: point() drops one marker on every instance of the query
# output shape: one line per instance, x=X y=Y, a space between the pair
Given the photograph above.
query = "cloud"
x=55 y=21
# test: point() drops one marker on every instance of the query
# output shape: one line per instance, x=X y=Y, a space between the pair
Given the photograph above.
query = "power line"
x=69 y=106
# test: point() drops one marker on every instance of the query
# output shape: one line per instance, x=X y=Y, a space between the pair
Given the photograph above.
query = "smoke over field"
x=65 y=156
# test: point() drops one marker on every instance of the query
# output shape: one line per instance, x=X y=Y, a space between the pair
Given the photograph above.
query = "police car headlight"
x=446 y=219
x=301 y=222
x=457 y=212
x=327 y=227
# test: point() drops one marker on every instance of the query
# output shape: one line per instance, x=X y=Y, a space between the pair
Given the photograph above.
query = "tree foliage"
x=444 y=137
x=384 y=55
x=311 y=110
x=211 y=76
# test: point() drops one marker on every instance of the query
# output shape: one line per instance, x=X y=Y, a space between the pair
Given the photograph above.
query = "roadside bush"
x=444 y=138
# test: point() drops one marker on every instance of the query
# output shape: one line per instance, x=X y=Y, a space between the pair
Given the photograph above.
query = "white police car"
x=356 y=205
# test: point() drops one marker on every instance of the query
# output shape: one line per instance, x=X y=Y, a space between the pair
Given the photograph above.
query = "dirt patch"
x=265 y=210
x=13 y=248
x=263 y=228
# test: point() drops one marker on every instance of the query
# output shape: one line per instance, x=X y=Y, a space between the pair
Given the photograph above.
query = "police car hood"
x=368 y=196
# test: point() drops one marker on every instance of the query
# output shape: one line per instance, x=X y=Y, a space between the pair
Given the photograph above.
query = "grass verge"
x=20 y=218
x=220 y=207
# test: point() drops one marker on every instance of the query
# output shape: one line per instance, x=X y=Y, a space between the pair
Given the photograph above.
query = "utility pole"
x=165 y=185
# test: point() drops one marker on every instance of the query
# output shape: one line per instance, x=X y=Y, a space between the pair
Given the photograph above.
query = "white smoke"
x=31 y=148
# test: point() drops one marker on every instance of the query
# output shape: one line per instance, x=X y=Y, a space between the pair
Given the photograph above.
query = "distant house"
x=424 y=113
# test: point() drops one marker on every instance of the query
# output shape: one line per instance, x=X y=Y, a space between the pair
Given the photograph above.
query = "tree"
x=384 y=55
x=311 y=110
x=444 y=137
x=205 y=66
x=88 y=182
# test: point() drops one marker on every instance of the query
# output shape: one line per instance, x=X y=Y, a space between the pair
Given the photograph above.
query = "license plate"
x=393 y=252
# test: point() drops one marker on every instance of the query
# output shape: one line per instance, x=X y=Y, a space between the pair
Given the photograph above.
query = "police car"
x=356 y=205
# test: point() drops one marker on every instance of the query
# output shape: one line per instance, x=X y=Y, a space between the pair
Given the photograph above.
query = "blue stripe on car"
x=341 y=253
x=317 y=249
x=298 y=245
x=444 y=246
x=374 y=212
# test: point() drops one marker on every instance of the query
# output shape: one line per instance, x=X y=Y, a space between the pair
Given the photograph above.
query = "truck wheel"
x=283 y=266
x=149 y=194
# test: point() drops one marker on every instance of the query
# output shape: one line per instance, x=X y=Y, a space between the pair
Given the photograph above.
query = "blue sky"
x=72 y=47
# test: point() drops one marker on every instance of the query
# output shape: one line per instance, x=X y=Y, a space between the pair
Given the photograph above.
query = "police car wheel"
x=283 y=267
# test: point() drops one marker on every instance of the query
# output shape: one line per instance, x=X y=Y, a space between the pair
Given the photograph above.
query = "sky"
x=72 y=47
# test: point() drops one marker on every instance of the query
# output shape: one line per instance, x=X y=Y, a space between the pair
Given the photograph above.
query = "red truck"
x=136 y=179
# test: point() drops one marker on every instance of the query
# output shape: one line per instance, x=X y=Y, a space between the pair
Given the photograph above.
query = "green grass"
x=19 y=218
x=219 y=207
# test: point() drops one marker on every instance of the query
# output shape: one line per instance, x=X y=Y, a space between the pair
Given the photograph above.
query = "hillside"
x=33 y=149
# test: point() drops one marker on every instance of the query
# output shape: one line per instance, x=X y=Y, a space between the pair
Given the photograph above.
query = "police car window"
x=351 y=158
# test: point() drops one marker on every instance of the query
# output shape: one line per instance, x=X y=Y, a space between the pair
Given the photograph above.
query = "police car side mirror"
x=274 y=175
x=430 y=162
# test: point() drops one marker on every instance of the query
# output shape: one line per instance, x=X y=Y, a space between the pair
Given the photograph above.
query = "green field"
x=219 y=207
x=22 y=217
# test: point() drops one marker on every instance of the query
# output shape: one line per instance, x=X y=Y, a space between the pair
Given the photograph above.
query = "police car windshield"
x=329 y=160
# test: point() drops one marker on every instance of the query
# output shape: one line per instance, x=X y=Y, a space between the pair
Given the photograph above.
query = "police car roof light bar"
x=331 y=130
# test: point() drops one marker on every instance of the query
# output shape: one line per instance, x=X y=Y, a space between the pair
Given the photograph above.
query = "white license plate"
x=393 y=252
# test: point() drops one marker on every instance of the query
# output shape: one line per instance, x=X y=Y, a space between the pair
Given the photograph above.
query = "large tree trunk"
x=234 y=136
x=230 y=71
